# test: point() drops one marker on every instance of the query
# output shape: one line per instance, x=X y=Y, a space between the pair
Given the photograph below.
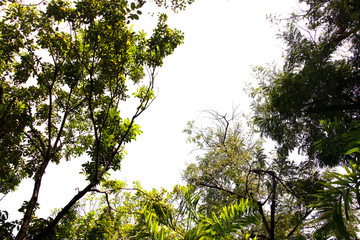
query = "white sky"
x=223 y=40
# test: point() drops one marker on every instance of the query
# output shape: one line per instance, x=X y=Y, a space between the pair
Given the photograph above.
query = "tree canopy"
x=312 y=103
x=66 y=70
x=134 y=213
x=319 y=81
x=233 y=165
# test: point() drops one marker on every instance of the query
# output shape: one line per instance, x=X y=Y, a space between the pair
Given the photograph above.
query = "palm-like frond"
x=233 y=220
x=336 y=207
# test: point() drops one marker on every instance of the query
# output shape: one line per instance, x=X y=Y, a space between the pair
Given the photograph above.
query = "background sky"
x=224 y=39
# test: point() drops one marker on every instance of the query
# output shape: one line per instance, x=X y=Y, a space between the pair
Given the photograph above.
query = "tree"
x=319 y=81
x=338 y=206
x=133 y=213
x=313 y=103
x=118 y=213
x=233 y=166
x=66 y=71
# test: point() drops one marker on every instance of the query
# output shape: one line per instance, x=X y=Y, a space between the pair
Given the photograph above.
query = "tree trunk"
x=32 y=203
x=273 y=208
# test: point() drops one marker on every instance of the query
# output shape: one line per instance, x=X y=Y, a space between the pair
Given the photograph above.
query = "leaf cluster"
x=152 y=215
x=232 y=166
x=318 y=81
x=337 y=204
x=65 y=73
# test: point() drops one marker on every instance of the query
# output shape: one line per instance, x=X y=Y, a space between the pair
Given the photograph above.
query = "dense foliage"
x=66 y=69
x=313 y=104
x=233 y=166
x=133 y=213
x=318 y=82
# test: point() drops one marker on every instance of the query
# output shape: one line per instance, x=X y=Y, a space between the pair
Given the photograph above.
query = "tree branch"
x=307 y=213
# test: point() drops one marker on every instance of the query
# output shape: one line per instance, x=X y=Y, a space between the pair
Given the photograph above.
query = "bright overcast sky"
x=223 y=40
